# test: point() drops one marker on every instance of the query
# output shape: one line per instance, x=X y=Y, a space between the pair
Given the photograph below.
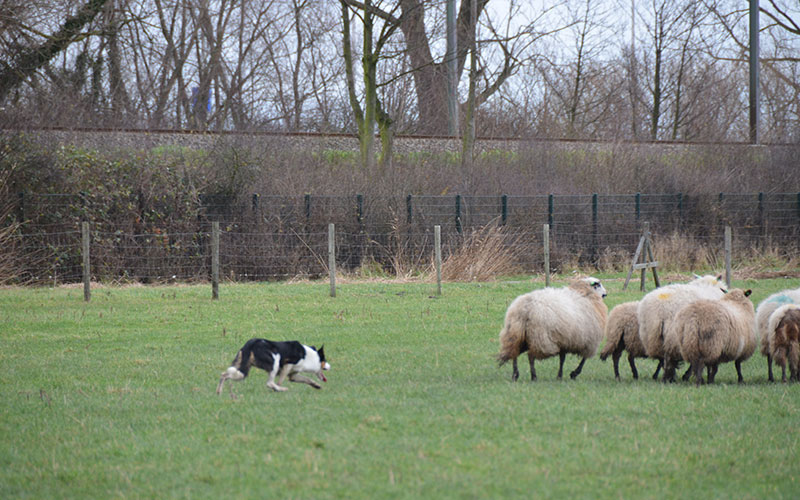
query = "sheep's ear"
x=719 y=277
x=747 y=293
x=696 y=276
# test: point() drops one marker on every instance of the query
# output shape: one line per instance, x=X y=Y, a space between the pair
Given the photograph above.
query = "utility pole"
x=452 y=69
x=755 y=91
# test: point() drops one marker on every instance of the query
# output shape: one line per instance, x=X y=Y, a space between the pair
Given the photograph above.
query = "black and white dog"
x=278 y=359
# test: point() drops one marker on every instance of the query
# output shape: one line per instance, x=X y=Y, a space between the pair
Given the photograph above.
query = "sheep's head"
x=597 y=287
x=709 y=280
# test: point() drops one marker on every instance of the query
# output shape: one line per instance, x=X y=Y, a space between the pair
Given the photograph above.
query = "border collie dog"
x=278 y=359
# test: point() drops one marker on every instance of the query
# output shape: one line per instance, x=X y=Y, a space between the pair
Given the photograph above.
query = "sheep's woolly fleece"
x=782 y=333
x=623 y=326
x=717 y=331
x=554 y=320
x=658 y=308
x=765 y=309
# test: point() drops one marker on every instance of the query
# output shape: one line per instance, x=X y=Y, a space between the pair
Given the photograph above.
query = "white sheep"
x=622 y=334
x=763 y=313
x=783 y=332
x=555 y=321
x=658 y=308
x=711 y=332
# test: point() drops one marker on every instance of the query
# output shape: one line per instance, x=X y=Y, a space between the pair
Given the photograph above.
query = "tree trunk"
x=430 y=78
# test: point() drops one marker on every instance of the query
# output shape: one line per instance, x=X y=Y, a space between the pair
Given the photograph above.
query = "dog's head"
x=323 y=365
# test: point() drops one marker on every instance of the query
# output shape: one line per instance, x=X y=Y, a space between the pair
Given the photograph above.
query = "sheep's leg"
x=783 y=373
x=669 y=370
x=514 y=370
x=615 y=358
x=577 y=371
x=739 y=377
x=687 y=374
x=712 y=372
x=561 y=357
x=698 y=373
x=769 y=368
x=658 y=369
x=532 y=360
x=633 y=367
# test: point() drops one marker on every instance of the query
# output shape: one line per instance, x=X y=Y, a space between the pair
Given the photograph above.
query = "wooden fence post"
x=87 y=274
x=332 y=257
x=437 y=242
x=215 y=260
x=546 y=244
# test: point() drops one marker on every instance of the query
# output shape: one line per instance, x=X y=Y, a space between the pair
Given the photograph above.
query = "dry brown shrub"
x=485 y=254
x=677 y=251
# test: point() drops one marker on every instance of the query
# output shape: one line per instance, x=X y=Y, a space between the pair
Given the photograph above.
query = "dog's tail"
x=240 y=366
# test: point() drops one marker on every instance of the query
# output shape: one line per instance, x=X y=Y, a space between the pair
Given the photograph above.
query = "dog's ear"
x=321 y=352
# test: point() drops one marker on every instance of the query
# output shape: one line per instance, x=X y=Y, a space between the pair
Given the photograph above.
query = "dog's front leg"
x=296 y=377
x=281 y=376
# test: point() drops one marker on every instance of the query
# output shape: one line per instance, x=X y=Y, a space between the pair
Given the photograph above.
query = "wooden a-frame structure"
x=644 y=252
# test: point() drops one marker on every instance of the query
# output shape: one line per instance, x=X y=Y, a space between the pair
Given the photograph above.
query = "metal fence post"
x=256 y=198
x=550 y=206
x=546 y=245
x=360 y=211
x=594 y=227
x=87 y=274
x=504 y=209
x=458 y=214
x=307 y=201
x=638 y=206
x=21 y=208
x=332 y=257
x=437 y=245
x=728 y=251
x=761 y=224
x=215 y=260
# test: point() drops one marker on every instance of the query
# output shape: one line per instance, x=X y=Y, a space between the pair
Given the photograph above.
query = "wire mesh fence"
x=280 y=237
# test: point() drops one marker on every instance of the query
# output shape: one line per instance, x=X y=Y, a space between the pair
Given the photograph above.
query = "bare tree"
x=26 y=60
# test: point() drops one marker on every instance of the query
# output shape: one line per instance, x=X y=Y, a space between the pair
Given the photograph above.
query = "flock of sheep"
x=700 y=323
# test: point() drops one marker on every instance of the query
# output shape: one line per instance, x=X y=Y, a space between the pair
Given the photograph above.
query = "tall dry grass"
x=485 y=254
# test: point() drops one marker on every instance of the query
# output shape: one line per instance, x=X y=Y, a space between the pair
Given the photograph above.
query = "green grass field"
x=115 y=399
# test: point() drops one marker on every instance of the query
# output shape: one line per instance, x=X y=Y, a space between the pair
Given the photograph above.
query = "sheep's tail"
x=700 y=344
x=613 y=338
x=512 y=341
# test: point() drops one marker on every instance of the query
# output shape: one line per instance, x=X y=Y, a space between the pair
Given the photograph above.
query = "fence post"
x=728 y=251
x=437 y=245
x=638 y=206
x=504 y=209
x=215 y=260
x=594 y=228
x=409 y=211
x=87 y=275
x=307 y=201
x=546 y=245
x=458 y=213
x=256 y=198
x=332 y=257
x=21 y=207
x=550 y=205
x=360 y=210
x=680 y=210
x=761 y=226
